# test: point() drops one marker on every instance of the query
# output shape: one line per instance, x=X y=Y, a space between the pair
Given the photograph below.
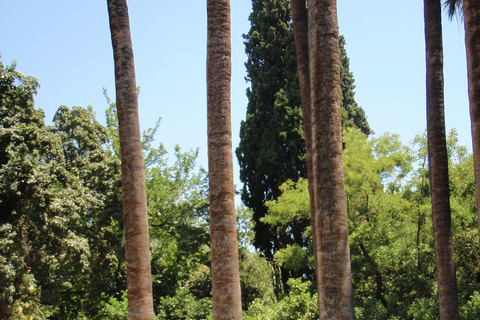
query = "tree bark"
x=438 y=163
x=300 y=31
x=137 y=249
x=227 y=302
x=335 y=293
x=471 y=11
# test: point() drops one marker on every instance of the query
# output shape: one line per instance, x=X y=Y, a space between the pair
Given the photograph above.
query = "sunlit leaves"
x=390 y=226
x=56 y=184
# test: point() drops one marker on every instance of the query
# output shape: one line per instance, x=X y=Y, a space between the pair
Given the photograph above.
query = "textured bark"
x=227 y=302
x=438 y=163
x=137 y=250
x=334 y=281
x=300 y=31
x=471 y=11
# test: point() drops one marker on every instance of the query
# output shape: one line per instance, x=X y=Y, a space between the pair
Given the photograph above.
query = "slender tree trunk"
x=227 y=302
x=137 y=249
x=300 y=31
x=438 y=163
x=334 y=281
x=471 y=11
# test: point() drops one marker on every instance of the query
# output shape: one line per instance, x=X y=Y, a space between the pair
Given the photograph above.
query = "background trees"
x=61 y=213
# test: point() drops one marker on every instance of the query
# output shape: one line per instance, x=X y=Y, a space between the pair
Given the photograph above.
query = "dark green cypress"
x=272 y=146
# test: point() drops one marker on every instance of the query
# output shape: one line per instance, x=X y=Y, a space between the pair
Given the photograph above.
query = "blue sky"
x=66 y=45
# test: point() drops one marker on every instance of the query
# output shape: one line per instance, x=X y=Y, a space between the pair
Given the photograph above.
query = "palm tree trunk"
x=137 y=249
x=438 y=163
x=300 y=31
x=227 y=303
x=471 y=11
x=334 y=281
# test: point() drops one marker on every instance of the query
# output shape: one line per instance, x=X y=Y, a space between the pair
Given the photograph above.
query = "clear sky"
x=66 y=45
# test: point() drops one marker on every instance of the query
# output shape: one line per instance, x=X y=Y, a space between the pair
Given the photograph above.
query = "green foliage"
x=185 y=306
x=390 y=227
x=295 y=201
x=293 y=257
x=28 y=305
x=178 y=217
x=114 y=309
x=290 y=213
x=470 y=310
x=300 y=304
x=56 y=184
x=256 y=278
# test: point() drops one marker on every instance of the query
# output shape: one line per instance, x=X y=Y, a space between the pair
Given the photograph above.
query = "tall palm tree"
x=137 y=249
x=471 y=14
x=334 y=281
x=227 y=303
x=438 y=163
x=300 y=31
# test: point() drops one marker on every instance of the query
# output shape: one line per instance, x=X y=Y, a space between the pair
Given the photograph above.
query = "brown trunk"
x=334 y=281
x=300 y=31
x=227 y=302
x=438 y=163
x=137 y=250
x=471 y=11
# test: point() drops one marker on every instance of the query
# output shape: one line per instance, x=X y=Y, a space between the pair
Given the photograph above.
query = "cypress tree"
x=272 y=144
